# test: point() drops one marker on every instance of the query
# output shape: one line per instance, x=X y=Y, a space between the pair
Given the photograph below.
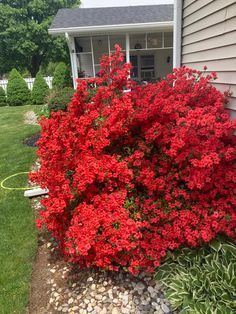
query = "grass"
x=18 y=236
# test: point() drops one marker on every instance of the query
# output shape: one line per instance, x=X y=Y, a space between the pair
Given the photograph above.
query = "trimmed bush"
x=201 y=281
x=40 y=90
x=17 y=90
x=3 y=99
x=132 y=175
x=59 y=99
x=61 y=76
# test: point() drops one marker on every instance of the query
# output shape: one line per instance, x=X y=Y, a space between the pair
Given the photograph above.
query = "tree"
x=24 y=38
x=40 y=90
x=17 y=90
x=61 y=76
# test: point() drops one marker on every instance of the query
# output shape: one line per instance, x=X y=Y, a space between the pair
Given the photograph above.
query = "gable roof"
x=92 y=17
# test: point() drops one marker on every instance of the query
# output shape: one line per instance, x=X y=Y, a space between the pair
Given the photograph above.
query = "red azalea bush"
x=134 y=174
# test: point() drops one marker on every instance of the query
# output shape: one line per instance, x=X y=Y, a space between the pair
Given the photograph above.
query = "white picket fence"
x=29 y=81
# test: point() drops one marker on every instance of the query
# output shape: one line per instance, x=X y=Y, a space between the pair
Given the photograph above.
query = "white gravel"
x=100 y=292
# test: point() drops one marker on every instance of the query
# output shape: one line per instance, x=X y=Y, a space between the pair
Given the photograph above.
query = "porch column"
x=127 y=44
x=177 y=47
x=73 y=59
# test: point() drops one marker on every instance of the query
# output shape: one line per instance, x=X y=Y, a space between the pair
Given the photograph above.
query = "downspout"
x=177 y=49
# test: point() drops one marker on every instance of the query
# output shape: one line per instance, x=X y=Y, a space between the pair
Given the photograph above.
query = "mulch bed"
x=32 y=140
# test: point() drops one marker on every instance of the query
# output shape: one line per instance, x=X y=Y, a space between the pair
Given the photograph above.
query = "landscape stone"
x=103 y=293
x=165 y=308
x=115 y=311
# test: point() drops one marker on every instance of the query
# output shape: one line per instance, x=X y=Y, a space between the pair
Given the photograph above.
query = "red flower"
x=132 y=175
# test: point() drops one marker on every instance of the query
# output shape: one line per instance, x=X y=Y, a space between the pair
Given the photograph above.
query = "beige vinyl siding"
x=212 y=7
x=223 y=87
x=226 y=77
x=226 y=39
x=215 y=65
x=209 y=20
x=187 y=3
x=215 y=30
x=209 y=38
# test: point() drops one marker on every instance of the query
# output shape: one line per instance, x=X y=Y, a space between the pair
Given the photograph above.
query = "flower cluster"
x=133 y=174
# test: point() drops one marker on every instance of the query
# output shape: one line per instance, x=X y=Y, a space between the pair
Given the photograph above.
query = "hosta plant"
x=133 y=174
x=201 y=281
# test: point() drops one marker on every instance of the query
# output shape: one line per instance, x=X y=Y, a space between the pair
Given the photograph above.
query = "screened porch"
x=151 y=54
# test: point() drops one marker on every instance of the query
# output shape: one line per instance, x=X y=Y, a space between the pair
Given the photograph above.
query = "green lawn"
x=18 y=236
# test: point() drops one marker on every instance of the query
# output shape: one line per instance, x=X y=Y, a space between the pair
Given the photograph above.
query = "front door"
x=147 y=67
x=143 y=67
x=134 y=73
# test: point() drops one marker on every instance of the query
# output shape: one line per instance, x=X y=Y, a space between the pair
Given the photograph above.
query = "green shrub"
x=59 y=99
x=40 y=90
x=26 y=74
x=61 y=76
x=201 y=281
x=44 y=112
x=50 y=69
x=3 y=100
x=17 y=91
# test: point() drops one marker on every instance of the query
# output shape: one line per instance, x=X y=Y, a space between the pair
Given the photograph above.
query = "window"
x=117 y=39
x=138 y=41
x=154 y=40
x=168 y=39
x=100 y=47
x=85 y=63
x=82 y=44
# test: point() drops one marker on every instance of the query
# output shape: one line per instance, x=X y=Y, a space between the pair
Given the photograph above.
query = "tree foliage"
x=24 y=38
x=17 y=90
x=61 y=76
x=40 y=90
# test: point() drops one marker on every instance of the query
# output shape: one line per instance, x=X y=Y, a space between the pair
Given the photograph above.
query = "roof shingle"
x=81 y=17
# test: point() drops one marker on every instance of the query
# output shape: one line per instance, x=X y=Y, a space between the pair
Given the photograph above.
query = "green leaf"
x=215 y=245
x=229 y=248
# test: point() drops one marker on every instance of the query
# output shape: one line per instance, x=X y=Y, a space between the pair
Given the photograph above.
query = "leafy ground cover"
x=17 y=231
x=201 y=280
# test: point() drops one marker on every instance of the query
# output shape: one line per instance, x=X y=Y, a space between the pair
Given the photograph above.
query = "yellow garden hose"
x=15 y=188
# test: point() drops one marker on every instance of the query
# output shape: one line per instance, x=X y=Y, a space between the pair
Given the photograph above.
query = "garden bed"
x=61 y=287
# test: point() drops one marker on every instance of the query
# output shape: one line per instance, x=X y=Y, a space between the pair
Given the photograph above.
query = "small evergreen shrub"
x=17 y=90
x=59 y=99
x=40 y=90
x=3 y=100
x=61 y=76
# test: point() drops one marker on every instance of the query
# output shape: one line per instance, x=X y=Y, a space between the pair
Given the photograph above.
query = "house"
x=205 y=34
x=144 y=31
